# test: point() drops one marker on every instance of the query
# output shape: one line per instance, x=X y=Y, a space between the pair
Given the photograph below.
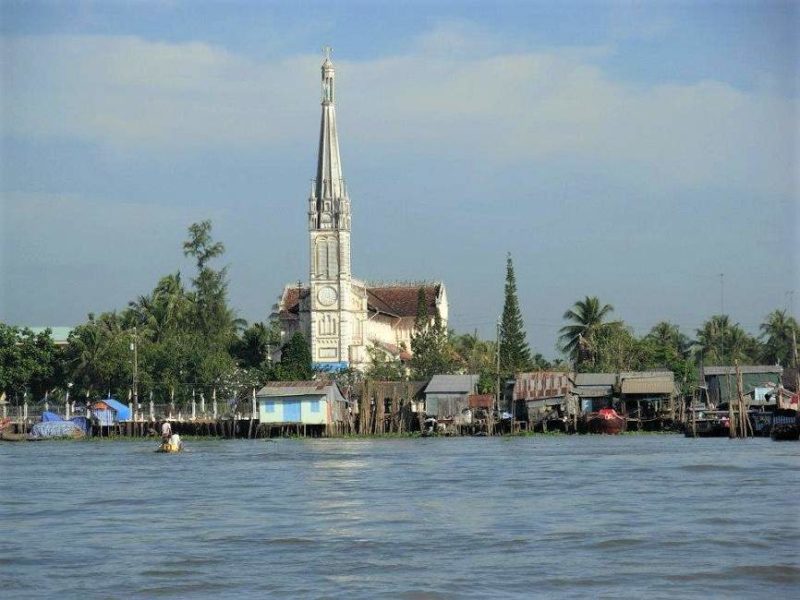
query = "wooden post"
x=743 y=409
x=732 y=429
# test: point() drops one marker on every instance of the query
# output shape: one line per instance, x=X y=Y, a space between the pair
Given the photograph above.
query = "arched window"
x=333 y=258
x=322 y=258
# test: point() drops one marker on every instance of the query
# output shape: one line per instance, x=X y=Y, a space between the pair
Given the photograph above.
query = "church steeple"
x=333 y=321
x=329 y=206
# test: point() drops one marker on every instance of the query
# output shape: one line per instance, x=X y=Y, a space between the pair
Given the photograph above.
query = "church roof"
x=289 y=306
x=396 y=300
x=400 y=300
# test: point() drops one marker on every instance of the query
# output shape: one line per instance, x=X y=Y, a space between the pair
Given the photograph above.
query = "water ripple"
x=550 y=516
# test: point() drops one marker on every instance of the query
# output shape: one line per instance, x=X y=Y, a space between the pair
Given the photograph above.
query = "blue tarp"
x=54 y=429
x=50 y=416
x=116 y=412
x=81 y=422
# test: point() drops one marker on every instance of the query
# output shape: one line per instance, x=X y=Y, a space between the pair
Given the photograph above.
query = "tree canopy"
x=515 y=355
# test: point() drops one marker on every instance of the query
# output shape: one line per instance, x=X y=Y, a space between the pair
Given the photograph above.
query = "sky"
x=630 y=150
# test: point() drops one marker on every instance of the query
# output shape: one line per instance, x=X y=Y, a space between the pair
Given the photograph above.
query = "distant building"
x=720 y=382
x=594 y=390
x=59 y=335
x=339 y=315
x=646 y=393
x=539 y=392
x=315 y=403
x=447 y=396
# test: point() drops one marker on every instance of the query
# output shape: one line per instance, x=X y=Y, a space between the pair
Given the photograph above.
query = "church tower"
x=330 y=278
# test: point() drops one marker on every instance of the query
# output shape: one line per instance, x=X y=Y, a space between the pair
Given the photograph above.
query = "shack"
x=720 y=382
x=110 y=411
x=539 y=394
x=647 y=394
x=447 y=396
x=594 y=390
x=318 y=404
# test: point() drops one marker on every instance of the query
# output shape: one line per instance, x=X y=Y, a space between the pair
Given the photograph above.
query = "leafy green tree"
x=215 y=324
x=429 y=347
x=252 y=349
x=213 y=317
x=776 y=330
x=515 y=355
x=612 y=348
x=670 y=349
x=98 y=357
x=721 y=342
x=29 y=363
x=383 y=366
x=472 y=354
x=578 y=338
x=295 y=362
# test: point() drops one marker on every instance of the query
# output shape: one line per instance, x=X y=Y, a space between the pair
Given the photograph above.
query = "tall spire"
x=329 y=183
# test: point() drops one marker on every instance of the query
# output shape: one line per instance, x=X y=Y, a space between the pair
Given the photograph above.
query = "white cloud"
x=474 y=100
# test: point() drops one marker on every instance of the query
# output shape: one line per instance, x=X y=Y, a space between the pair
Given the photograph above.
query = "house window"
x=315 y=406
x=269 y=406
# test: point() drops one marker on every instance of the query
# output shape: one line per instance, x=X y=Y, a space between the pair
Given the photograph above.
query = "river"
x=632 y=516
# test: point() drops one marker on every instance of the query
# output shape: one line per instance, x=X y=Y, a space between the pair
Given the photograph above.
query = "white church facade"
x=340 y=315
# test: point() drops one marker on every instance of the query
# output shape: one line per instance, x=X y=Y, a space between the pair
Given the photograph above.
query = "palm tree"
x=722 y=342
x=711 y=338
x=163 y=311
x=776 y=330
x=587 y=319
x=668 y=341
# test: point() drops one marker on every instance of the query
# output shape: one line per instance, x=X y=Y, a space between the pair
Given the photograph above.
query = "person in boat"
x=175 y=442
x=166 y=431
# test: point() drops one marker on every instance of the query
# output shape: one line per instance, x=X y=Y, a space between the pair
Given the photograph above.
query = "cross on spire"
x=327 y=50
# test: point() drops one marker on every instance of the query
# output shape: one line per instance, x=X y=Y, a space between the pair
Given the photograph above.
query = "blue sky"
x=632 y=151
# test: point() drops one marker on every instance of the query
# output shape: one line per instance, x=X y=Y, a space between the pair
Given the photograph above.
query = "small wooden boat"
x=712 y=426
x=7 y=436
x=785 y=426
x=170 y=447
x=606 y=421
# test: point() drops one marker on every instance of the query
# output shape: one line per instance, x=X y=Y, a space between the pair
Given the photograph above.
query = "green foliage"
x=515 y=355
x=580 y=339
x=721 y=342
x=431 y=354
x=383 y=366
x=776 y=330
x=98 y=356
x=252 y=350
x=29 y=363
x=295 y=362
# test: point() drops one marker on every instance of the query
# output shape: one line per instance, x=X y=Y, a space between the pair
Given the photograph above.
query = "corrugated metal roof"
x=456 y=384
x=294 y=388
x=745 y=369
x=592 y=391
x=595 y=378
x=648 y=385
x=642 y=374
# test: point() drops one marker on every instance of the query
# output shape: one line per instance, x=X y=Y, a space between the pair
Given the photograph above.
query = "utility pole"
x=134 y=347
x=497 y=335
x=722 y=314
x=796 y=366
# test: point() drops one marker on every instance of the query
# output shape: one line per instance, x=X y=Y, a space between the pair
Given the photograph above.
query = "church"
x=343 y=316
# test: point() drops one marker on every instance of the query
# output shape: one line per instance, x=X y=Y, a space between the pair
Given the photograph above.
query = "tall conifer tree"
x=515 y=355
